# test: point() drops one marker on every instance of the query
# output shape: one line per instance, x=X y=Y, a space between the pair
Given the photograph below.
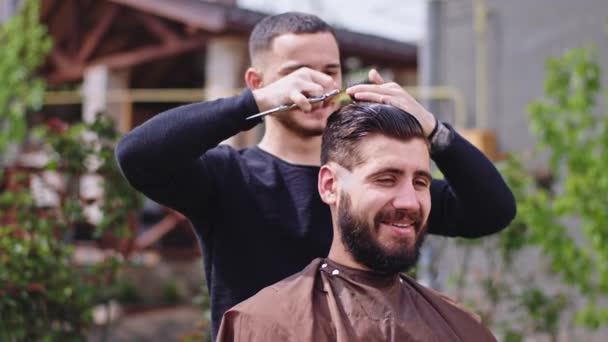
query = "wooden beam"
x=94 y=37
x=129 y=59
x=116 y=43
x=88 y=5
x=74 y=38
x=65 y=68
x=61 y=61
x=57 y=23
x=47 y=7
x=150 y=53
x=205 y=15
x=157 y=27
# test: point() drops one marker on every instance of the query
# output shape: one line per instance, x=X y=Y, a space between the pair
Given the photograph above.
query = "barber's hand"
x=393 y=94
x=294 y=88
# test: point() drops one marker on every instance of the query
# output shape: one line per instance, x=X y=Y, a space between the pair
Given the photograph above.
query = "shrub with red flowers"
x=44 y=295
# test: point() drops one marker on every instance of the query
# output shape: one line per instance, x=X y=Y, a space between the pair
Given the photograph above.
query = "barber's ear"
x=328 y=187
x=253 y=78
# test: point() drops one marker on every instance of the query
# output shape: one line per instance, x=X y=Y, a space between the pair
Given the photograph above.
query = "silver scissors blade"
x=312 y=99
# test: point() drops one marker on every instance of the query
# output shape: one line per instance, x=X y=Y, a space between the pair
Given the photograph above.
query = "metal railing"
x=183 y=95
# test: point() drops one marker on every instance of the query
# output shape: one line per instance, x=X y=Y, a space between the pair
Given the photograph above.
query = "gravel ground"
x=166 y=324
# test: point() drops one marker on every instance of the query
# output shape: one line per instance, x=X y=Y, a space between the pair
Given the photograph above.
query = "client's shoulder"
x=439 y=298
x=284 y=294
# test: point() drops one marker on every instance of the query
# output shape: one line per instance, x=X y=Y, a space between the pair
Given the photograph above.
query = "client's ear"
x=327 y=184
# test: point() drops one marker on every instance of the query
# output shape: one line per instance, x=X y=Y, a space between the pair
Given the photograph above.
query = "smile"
x=400 y=229
x=401 y=223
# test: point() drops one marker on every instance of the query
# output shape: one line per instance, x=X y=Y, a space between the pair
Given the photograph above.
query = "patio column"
x=225 y=65
x=104 y=91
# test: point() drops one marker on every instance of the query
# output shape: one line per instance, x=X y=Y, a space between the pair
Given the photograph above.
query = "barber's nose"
x=406 y=197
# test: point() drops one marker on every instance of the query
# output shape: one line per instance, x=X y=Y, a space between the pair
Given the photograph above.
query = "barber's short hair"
x=290 y=22
x=348 y=125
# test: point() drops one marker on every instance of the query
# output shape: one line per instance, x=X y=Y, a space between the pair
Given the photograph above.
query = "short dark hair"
x=289 y=22
x=351 y=123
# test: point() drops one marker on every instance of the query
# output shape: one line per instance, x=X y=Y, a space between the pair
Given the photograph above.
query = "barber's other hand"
x=294 y=88
x=393 y=94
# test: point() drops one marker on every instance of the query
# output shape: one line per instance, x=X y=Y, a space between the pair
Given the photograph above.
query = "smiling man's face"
x=289 y=52
x=384 y=203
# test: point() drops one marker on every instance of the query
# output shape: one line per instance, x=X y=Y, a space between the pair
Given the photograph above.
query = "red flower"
x=35 y=287
x=56 y=125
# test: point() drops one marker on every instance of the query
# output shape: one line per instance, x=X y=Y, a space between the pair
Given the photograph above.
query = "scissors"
x=312 y=99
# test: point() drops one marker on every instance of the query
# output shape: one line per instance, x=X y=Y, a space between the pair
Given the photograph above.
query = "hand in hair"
x=393 y=94
x=294 y=88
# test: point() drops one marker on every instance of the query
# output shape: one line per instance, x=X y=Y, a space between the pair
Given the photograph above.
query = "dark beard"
x=357 y=237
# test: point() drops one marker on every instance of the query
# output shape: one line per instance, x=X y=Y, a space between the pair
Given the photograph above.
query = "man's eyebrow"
x=390 y=170
x=291 y=68
x=399 y=172
x=424 y=173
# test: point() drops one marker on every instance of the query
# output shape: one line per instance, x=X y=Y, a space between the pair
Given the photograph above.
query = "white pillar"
x=104 y=91
x=225 y=65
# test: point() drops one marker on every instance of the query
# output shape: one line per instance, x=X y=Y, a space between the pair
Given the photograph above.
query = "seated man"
x=380 y=204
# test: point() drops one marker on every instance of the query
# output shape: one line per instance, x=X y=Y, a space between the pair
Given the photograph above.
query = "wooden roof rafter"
x=158 y=27
x=66 y=65
x=48 y=7
x=92 y=39
x=126 y=33
x=127 y=59
x=150 y=53
x=208 y=16
x=212 y=16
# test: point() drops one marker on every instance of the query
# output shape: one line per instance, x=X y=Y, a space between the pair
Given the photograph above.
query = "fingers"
x=311 y=89
x=294 y=88
x=392 y=94
x=304 y=89
x=310 y=83
x=374 y=76
x=373 y=97
x=362 y=92
x=300 y=100
x=324 y=80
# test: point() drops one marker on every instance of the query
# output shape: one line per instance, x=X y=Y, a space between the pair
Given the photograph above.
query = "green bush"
x=25 y=44
x=43 y=295
x=561 y=213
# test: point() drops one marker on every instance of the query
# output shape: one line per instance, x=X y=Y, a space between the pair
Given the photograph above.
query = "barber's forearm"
x=486 y=203
x=184 y=133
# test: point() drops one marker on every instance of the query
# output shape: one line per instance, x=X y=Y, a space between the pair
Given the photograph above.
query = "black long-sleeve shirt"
x=259 y=218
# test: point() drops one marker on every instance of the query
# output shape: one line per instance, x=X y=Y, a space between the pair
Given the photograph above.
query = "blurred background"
x=84 y=257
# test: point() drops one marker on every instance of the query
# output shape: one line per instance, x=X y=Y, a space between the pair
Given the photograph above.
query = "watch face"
x=441 y=139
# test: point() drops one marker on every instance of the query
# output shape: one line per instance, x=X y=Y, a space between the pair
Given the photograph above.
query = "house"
x=132 y=59
x=112 y=47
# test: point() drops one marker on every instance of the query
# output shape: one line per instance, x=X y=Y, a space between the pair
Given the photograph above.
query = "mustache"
x=398 y=215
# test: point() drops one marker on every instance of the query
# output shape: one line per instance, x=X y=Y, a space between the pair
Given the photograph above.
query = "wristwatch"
x=440 y=138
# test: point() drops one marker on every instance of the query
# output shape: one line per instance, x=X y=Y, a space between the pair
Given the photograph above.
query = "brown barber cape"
x=330 y=302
